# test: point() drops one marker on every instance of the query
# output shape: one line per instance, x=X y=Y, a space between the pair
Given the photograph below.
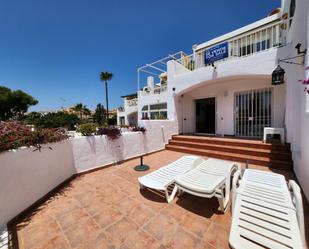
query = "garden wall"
x=28 y=175
x=96 y=151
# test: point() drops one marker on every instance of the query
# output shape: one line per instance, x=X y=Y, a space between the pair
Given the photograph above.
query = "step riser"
x=232 y=158
x=272 y=154
x=230 y=143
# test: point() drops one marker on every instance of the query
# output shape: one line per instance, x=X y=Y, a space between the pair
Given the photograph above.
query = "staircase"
x=256 y=152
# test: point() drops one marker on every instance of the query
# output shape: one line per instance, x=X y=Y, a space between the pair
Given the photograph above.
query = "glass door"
x=253 y=112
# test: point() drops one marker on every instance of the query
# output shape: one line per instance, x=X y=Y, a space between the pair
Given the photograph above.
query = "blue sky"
x=56 y=49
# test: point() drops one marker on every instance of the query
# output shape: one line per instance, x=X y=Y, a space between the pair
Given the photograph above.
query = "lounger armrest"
x=297 y=199
x=236 y=178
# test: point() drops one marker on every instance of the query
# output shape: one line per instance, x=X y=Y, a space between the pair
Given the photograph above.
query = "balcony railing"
x=132 y=102
x=252 y=42
x=157 y=90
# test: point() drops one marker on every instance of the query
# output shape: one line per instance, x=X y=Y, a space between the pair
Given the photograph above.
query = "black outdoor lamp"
x=277 y=77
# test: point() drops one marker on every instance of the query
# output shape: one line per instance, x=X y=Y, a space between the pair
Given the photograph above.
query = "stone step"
x=233 y=142
x=263 y=161
x=274 y=154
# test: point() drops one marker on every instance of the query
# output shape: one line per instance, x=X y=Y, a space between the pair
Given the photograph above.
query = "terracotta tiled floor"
x=106 y=209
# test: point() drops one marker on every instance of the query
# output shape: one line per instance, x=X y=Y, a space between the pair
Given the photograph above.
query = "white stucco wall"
x=262 y=63
x=224 y=92
x=297 y=112
x=27 y=175
x=252 y=67
x=97 y=151
x=158 y=133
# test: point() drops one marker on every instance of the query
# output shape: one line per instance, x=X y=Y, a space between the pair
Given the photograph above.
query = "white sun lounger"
x=265 y=213
x=211 y=178
x=162 y=178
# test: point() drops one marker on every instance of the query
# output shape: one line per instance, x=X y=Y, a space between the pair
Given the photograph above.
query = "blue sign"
x=215 y=53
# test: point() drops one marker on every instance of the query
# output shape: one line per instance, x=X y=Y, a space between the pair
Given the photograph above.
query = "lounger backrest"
x=185 y=163
x=217 y=166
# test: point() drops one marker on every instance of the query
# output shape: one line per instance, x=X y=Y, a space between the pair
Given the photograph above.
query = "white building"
x=127 y=115
x=225 y=86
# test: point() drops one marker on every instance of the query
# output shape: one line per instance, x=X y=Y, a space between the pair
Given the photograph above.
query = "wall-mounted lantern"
x=277 y=77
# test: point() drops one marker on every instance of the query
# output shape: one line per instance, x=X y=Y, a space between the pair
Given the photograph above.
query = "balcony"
x=132 y=102
x=120 y=109
x=247 y=41
x=158 y=89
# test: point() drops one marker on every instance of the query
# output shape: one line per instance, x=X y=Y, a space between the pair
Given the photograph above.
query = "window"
x=158 y=106
x=122 y=121
x=155 y=111
x=145 y=115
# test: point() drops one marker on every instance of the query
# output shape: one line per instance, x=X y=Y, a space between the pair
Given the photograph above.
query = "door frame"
x=202 y=133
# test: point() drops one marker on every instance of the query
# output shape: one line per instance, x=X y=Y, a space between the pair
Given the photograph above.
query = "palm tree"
x=81 y=109
x=105 y=77
x=78 y=108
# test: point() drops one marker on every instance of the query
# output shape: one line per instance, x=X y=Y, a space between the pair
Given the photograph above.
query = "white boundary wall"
x=297 y=107
x=28 y=175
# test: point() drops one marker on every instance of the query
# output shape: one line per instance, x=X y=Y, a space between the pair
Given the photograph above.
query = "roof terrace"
x=106 y=209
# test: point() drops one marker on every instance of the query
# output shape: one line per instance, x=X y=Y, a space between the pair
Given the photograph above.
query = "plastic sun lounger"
x=162 y=178
x=265 y=212
x=210 y=179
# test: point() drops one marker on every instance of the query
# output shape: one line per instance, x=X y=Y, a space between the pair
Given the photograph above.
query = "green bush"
x=52 y=120
x=87 y=129
x=112 y=120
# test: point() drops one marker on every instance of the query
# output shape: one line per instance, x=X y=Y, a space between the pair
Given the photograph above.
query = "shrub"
x=52 y=120
x=42 y=136
x=112 y=120
x=159 y=116
x=87 y=129
x=139 y=128
x=111 y=132
x=14 y=135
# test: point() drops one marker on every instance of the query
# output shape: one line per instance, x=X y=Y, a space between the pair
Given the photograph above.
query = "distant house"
x=127 y=115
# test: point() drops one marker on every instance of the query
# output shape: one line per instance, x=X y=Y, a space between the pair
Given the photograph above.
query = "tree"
x=81 y=109
x=52 y=120
x=113 y=120
x=99 y=114
x=14 y=104
x=105 y=77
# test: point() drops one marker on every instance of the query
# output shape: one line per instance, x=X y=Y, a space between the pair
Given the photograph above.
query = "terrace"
x=252 y=39
x=106 y=209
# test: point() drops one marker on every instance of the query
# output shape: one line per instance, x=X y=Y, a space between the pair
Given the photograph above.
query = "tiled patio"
x=106 y=209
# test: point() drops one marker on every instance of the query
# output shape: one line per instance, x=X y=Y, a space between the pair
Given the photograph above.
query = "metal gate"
x=253 y=112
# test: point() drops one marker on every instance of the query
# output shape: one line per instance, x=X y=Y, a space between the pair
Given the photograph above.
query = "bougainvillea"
x=111 y=132
x=14 y=135
x=306 y=83
x=139 y=128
